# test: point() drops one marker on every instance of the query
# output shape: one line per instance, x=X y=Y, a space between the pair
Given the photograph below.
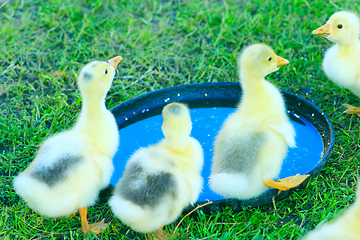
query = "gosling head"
x=176 y=123
x=96 y=77
x=259 y=60
x=342 y=27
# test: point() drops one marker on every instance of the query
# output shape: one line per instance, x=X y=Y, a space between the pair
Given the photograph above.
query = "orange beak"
x=115 y=61
x=322 y=31
x=281 y=61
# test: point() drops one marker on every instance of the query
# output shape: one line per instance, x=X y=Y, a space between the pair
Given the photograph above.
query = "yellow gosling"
x=161 y=180
x=71 y=167
x=341 y=62
x=253 y=141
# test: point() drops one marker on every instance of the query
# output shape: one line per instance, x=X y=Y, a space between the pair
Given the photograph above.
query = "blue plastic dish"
x=139 y=121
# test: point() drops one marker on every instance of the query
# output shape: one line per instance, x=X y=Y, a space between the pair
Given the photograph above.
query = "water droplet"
x=205 y=94
x=126 y=119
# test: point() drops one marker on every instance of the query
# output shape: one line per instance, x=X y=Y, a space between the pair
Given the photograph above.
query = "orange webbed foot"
x=93 y=228
x=286 y=183
x=351 y=109
x=98 y=227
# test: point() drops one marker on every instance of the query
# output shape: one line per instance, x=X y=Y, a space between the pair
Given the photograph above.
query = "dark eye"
x=339 y=26
x=269 y=59
x=106 y=71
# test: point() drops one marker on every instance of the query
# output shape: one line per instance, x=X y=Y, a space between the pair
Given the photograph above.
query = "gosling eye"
x=106 y=71
x=339 y=26
x=269 y=59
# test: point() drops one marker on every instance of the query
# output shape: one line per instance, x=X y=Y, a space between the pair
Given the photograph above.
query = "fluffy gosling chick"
x=161 y=180
x=71 y=167
x=253 y=141
x=341 y=62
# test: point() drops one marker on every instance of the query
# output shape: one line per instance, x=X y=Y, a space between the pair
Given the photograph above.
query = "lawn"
x=44 y=44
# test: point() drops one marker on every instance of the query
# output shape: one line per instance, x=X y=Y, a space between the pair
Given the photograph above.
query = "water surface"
x=206 y=124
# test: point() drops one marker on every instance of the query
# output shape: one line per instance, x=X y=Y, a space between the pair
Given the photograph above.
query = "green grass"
x=43 y=45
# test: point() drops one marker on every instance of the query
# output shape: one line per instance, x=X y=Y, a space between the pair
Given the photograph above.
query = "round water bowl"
x=139 y=120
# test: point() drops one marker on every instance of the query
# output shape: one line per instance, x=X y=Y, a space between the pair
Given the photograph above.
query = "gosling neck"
x=92 y=105
x=177 y=143
x=92 y=116
x=251 y=81
x=92 y=102
x=348 y=48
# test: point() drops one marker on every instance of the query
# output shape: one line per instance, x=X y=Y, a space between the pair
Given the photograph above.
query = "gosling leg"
x=95 y=227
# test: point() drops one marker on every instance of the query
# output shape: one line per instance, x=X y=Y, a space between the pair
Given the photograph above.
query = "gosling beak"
x=281 y=61
x=115 y=61
x=322 y=31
